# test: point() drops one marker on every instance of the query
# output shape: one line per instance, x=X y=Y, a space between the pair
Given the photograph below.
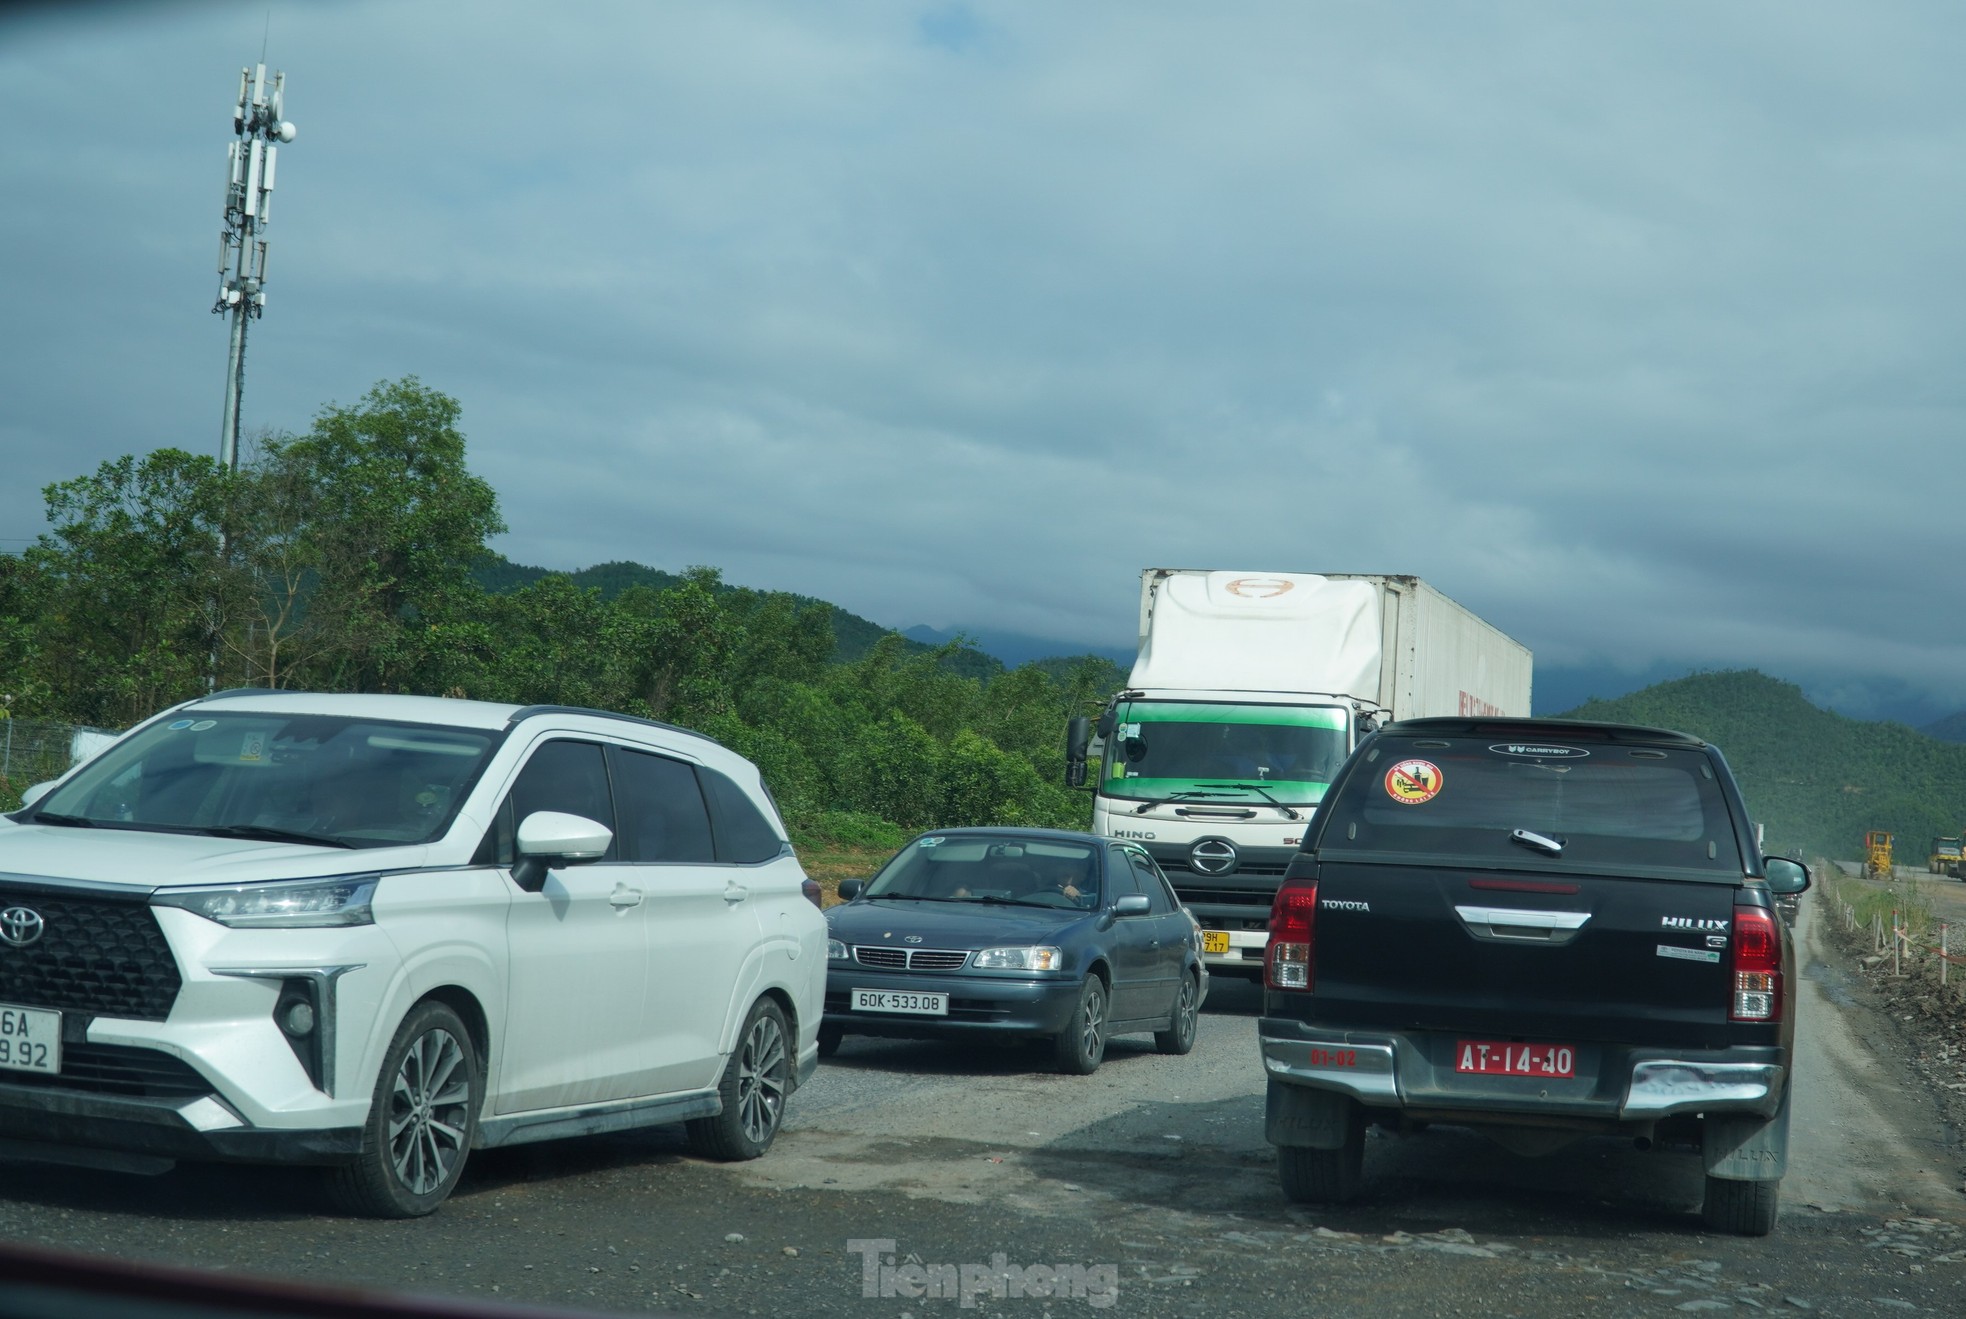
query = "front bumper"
x=143 y=1134
x=979 y=1005
x=1614 y=1085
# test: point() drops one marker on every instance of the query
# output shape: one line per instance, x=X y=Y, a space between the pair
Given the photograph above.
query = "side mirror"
x=553 y=838
x=1133 y=904
x=1106 y=724
x=1785 y=877
x=850 y=889
x=1078 y=735
x=34 y=792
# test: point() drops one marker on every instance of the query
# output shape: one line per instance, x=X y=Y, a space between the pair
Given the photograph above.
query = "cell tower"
x=241 y=246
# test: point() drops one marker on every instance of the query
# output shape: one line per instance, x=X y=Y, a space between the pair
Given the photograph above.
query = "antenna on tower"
x=258 y=128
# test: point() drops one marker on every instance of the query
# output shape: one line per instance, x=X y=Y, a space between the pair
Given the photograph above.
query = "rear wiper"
x=1264 y=793
x=1541 y=842
x=267 y=833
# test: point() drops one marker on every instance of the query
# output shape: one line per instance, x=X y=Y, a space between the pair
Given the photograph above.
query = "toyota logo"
x=1212 y=856
x=20 y=926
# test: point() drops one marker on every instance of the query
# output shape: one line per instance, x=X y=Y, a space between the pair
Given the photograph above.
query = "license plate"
x=895 y=1000
x=30 y=1039
x=1489 y=1058
x=1215 y=941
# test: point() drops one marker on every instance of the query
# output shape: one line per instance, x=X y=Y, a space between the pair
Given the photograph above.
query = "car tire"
x=757 y=1079
x=422 y=1121
x=1314 y=1176
x=1078 y=1049
x=1179 y=1037
x=1742 y=1209
x=829 y=1040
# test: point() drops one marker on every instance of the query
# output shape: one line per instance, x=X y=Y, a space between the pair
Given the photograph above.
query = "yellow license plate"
x=1215 y=941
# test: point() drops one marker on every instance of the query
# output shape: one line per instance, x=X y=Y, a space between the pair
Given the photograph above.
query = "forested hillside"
x=1816 y=779
x=353 y=558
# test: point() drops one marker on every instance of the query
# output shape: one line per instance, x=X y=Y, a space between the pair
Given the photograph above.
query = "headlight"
x=836 y=951
x=287 y=904
x=1044 y=957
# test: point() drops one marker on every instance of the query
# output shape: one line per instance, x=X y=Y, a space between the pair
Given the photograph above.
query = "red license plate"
x=1490 y=1058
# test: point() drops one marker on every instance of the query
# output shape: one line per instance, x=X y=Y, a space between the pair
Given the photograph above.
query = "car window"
x=1159 y=901
x=1119 y=874
x=566 y=776
x=1607 y=804
x=743 y=835
x=661 y=808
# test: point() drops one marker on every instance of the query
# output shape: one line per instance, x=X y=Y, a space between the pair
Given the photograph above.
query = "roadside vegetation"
x=354 y=558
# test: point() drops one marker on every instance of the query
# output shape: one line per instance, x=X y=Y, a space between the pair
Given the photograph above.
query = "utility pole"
x=258 y=128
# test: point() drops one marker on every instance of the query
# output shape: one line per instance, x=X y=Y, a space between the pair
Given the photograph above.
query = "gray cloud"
x=1631 y=328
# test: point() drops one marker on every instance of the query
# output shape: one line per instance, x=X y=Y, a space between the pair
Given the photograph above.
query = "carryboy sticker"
x=1537 y=751
x=1412 y=782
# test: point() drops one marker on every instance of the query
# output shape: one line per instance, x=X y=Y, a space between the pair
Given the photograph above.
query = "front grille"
x=94 y=955
x=910 y=959
x=1242 y=868
x=1192 y=895
x=118 y=1069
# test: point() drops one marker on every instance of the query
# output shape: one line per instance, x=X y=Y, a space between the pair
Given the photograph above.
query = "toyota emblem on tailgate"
x=20 y=926
x=1212 y=856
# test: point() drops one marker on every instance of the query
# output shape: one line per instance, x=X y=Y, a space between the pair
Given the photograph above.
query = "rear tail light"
x=1757 y=966
x=1292 y=960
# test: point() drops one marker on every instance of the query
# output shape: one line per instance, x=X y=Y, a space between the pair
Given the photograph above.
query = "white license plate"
x=30 y=1040
x=895 y=1000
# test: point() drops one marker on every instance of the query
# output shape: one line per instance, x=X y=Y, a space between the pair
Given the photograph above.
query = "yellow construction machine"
x=1877 y=854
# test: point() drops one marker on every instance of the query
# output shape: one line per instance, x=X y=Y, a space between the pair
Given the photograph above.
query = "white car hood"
x=144 y=860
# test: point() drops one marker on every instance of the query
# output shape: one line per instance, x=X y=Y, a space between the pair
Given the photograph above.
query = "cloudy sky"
x=1637 y=329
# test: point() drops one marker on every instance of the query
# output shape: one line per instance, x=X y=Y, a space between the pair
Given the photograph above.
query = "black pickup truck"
x=1543 y=930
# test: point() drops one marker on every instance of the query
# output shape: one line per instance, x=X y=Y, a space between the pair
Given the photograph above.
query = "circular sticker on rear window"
x=1413 y=781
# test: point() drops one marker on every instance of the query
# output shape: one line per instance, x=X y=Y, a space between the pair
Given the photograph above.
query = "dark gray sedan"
x=1015 y=933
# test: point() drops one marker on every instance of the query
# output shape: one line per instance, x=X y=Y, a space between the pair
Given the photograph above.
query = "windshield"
x=969 y=868
x=300 y=778
x=1204 y=751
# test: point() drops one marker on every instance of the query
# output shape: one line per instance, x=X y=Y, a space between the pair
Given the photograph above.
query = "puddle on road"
x=1837 y=986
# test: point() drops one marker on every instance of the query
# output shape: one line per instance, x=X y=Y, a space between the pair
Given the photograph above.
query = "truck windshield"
x=1223 y=752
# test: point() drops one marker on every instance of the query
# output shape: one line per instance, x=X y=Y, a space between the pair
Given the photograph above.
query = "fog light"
x=299 y=1020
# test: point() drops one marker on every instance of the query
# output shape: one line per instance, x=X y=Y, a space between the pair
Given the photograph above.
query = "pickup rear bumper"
x=1612 y=1085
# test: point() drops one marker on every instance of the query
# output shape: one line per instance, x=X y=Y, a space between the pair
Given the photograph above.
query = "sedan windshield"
x=325 y=779
x=971 y=868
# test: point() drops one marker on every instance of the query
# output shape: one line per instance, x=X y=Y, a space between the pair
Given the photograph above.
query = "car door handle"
x=735 y=892
x=624 y=897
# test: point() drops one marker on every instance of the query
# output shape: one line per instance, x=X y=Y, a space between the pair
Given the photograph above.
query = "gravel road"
x=1151 y=1175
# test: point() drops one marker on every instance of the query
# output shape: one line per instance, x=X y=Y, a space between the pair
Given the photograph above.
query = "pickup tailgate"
x=1500 y=956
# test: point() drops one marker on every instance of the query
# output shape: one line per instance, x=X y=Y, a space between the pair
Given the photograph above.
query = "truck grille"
x=97 y=956
x=910 y=959
x=1193 y=896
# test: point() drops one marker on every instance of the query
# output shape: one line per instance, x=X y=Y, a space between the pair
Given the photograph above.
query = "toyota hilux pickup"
x=1544 y=930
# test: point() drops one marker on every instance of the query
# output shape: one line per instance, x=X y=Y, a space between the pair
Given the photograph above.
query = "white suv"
x=377 y=932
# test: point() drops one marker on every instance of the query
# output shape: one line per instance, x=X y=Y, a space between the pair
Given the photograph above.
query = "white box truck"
x=1248 y=691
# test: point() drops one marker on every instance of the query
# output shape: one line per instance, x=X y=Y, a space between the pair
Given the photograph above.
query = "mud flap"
x=1316 y=1119
x=1744 y=1147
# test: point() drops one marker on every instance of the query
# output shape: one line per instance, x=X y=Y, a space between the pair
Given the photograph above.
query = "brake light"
x=1757 y=952
x=1292 y=960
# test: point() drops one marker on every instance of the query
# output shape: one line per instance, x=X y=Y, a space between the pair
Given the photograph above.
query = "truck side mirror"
x=1078 y=735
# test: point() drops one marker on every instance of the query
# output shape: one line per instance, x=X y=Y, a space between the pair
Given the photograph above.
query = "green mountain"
x=1952 y=728
x=1815 y=779
x=853 y=636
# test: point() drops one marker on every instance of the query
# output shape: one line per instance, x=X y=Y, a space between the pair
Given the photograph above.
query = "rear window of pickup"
x=1596 y=806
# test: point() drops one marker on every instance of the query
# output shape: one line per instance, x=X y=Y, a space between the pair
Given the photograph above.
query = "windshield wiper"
x=268 y=833
x=1541 y=842
x=908 y=897
x=1146 y=806
x=1010 y=902
x=68 y=821
x=1264 y=793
